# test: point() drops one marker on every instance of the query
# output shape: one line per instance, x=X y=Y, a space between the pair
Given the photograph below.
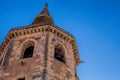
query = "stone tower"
x=40 y=51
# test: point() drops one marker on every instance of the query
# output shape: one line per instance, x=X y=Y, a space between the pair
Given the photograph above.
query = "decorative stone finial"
x=46 y=5
x=44 y=17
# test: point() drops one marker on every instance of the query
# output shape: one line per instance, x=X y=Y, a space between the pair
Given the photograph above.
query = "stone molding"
x=32 y=29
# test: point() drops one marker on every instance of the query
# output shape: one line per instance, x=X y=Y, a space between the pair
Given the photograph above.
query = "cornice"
x=25 y=30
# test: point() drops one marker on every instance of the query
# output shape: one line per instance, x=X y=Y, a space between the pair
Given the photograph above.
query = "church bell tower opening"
x=28 y=52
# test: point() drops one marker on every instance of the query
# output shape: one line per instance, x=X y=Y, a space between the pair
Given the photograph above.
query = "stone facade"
x=42 y=65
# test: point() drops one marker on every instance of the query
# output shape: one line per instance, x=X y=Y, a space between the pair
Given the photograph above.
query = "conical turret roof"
x=44 y=17
x=45 y=10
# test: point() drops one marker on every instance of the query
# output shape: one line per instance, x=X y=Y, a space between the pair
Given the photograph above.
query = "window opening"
x=59 y=54
x=28 y=52
x=21 y=79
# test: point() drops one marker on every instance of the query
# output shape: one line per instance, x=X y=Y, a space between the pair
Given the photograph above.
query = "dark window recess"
x=21 y=79
x=28 y=52
x=75 y=75
x=59 y=55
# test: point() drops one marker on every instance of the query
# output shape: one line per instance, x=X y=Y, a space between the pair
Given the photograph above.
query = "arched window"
x=28 y=49
x=59 y=53
x=28 y=52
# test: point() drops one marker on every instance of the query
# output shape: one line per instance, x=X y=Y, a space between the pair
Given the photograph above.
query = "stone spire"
x=44 y=17
x=45 y=10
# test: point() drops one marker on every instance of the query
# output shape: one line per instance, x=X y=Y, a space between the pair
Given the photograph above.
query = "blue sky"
x=94 y=23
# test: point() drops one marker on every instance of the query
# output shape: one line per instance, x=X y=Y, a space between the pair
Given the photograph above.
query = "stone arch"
x=59 y=52
x=28 y=48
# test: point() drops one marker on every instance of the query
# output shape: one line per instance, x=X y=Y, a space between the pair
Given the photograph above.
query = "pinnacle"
x=44 y=17
x=45 y=10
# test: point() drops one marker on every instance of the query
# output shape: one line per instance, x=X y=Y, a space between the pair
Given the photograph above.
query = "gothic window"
x=28 y=52
x=59 y=53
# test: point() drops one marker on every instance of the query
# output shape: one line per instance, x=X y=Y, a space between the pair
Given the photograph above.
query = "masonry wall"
x=58 y=70
x=43 y=65
x=15 y=67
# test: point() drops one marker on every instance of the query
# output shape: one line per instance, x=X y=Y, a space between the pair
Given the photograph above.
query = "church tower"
x=40 y=51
